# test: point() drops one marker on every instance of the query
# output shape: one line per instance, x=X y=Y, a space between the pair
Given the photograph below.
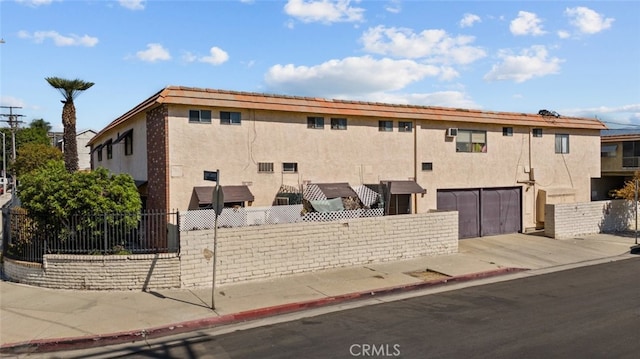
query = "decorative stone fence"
x=250 y=253
x=568 y=220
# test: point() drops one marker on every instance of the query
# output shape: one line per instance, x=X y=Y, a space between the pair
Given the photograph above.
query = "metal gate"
x=484 y=211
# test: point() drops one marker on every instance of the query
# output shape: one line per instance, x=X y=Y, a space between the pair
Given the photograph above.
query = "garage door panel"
x=466 y=202
x=484 y=212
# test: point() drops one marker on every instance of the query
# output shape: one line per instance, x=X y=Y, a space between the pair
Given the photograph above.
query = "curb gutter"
x=84 y=342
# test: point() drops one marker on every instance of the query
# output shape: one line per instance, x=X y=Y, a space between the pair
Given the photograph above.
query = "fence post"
x=104 y=215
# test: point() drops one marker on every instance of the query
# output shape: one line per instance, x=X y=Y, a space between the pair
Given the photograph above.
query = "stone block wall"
x=276 y=250
x=568 y=220
x=116 y=272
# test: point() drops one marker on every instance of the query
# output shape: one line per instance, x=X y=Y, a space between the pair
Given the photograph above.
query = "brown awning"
x=231 y=194
x=334 y=190
x=123 y=135
x=404 y=187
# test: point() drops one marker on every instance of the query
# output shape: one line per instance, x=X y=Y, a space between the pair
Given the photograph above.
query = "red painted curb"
x=74 y=343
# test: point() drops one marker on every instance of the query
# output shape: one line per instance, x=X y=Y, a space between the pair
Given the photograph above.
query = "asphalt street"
x=587 y=312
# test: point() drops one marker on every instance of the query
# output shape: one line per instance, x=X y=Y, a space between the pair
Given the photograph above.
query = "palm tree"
x=69 y=89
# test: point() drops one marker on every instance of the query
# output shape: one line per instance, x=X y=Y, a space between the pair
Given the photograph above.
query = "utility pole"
x=14 y=123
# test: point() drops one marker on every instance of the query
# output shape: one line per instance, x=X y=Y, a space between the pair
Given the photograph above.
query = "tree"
x=60 y=202
x=629 y=190
x=32 y=156
x=69 y=89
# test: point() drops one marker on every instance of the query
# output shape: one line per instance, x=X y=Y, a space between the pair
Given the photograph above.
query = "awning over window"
x=404 y=187
x=123 y=135
x=231 y=194
x=97 y=148
x=334 y=190
x=609 y=148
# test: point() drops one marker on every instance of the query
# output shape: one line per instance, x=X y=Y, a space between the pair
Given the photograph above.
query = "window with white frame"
x=338 y=123
x=199 y=116
x=290 y=167
x=471 y=141
x=230 y=118
x=537 y=132
x=315 y=122
x=507 y=131
x=562 y=143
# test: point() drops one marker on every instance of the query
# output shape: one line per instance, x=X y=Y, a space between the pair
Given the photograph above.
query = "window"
x=291 y=167
x=100 y=154
x=507 y=131
x=609 y=150
x=128 y=144
x=109 y=150
x=427 y=166
x=200 y=116
x=386 y=126
x=338 y=123
x=405 y=126
x=471 y=141
x=562 y=143
x=631 y=154
x=537 y=132
x=265 y=167
x=229 y=118
x=315 y=122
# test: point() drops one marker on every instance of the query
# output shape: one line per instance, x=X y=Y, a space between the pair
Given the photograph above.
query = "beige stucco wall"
x=135 y=164
x=360 y=154
x=363 y=154
x=84 y=155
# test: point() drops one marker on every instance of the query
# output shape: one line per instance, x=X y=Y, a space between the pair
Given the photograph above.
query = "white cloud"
x=394 y=6
x=11 y=101
x=469 y=19
x=433 y=45
x=587 y=21
x=217 y=56
x=612 y=116
x=530 y=63
x=348 y=77
x=60 y=40
x=324 y=11
x=34 y=3
x=132 y=4
x=563 y=34
x=527 y=23
x=153 y=53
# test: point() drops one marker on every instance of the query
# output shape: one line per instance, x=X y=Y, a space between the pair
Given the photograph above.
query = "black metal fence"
x=95 y=234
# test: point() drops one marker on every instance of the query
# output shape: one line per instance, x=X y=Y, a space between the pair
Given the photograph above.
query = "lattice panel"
x=341 y=215
x=240 y=217
x=367 y=195
x=313 y=193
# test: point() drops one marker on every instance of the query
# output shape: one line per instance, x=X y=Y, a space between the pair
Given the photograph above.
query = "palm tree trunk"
x=70 y=144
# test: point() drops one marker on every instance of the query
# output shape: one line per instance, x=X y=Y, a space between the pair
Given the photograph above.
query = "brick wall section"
x=126 y=272
x=276 y=250
x=157 y=159
x=569 y=220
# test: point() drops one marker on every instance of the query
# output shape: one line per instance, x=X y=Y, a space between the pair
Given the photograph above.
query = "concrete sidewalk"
x=37 y=319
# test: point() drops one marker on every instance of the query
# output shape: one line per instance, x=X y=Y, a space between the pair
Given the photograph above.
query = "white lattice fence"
x=240 y=217
x=339 y=215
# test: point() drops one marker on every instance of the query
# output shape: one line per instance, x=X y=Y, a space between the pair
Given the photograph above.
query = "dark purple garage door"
x=484 y=211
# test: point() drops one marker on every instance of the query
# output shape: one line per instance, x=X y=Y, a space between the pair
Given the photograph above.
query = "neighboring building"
x=620 y=157
x=84 y=151
x=495 y=168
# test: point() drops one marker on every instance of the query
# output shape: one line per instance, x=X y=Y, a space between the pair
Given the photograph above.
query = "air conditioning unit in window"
x=452 y=132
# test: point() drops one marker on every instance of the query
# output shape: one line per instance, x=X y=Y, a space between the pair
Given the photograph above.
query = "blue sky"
x=575 y=58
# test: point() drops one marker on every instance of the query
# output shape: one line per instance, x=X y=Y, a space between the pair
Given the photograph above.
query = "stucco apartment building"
x=620 y=157
x=496 y=168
